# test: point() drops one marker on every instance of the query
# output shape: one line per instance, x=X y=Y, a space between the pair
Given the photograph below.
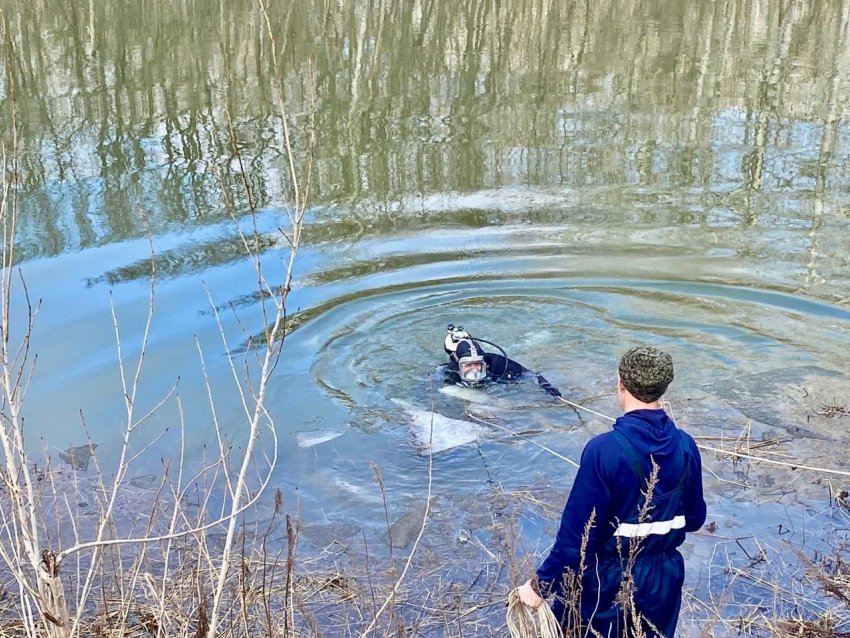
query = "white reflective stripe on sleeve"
x=642 y=530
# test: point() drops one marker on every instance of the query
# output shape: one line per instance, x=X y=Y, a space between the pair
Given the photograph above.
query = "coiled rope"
x=524 y=622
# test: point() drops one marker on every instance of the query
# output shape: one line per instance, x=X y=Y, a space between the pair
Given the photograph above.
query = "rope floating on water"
x=581 y=407
x=521 y=620
x=519 y=434
x=742 y=455
x=705 y=448
x=761 y=459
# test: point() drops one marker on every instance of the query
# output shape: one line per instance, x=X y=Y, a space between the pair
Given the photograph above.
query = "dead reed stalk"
x=35 y=497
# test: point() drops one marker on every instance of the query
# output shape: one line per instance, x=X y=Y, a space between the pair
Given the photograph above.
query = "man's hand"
x=555 y=392
x=528 y=596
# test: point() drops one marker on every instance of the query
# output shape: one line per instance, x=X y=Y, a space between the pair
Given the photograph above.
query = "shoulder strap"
x=634 y=457
x=683 y=477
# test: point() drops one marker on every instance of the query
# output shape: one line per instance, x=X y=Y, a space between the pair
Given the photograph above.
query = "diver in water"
x=470 y=365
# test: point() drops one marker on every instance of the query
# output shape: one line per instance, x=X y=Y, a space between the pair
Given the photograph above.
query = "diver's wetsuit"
x=500 y=368
x=615 y=467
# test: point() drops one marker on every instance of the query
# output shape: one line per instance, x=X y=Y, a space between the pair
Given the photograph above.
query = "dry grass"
x=832 y=409
x=276 y=589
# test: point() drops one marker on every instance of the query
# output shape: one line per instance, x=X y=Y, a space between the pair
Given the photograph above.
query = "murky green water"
x=564 y=178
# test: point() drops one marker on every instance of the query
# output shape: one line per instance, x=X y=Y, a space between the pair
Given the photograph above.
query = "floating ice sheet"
x=442 y=432
x=310 y=438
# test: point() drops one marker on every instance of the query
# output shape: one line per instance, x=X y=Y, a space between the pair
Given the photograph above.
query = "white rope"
x=524 y=623
x=719 y=452
x=521 y=435
x=581 y=407
x=761 y=459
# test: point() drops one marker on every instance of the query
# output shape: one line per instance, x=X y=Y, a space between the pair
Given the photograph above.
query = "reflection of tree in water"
x=125 y=104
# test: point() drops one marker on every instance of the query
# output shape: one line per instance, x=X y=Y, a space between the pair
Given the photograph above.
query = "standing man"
x=645 y=453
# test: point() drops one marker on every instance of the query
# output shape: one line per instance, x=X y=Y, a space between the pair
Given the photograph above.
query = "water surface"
x=564 y=179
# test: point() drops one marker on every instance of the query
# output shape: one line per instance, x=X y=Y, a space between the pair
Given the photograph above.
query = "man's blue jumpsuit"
x=613 y=471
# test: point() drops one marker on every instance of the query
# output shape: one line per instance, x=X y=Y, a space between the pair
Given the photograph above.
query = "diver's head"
x=471 y=366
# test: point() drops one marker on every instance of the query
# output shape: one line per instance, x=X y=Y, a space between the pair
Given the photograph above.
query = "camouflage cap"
x=646 y=372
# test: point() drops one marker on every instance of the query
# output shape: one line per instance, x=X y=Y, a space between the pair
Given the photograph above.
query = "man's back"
x=639 y=439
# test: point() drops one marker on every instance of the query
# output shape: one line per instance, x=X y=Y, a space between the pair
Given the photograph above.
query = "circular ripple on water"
x=364 y=355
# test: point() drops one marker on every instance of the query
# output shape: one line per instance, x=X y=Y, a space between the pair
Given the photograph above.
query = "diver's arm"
x=496 y=366
x=503 y=369
x=548 y=387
